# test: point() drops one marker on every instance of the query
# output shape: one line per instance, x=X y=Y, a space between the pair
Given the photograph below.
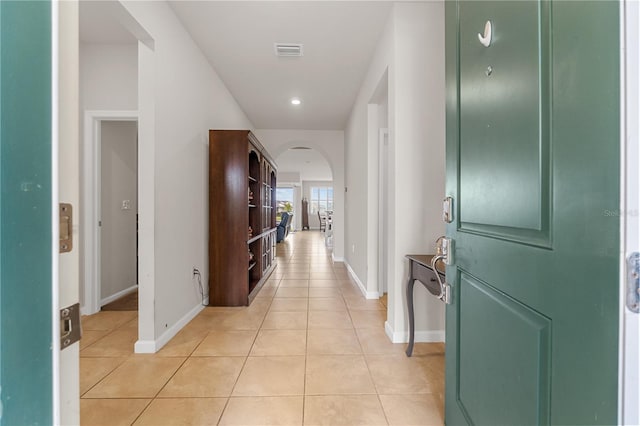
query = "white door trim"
x=383 y=210
x=629 y=351
x=91 y=194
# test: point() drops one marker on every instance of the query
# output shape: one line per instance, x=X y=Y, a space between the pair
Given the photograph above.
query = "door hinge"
x=633 y=282
x=446 y=293
x=66 y=227
x=447 y=210
x=70 y=330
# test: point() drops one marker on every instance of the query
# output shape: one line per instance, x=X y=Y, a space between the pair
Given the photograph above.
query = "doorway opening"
x=305 y=185
x=111 y=211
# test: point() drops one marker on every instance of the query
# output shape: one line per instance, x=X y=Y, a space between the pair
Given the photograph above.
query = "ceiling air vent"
x=288 y=49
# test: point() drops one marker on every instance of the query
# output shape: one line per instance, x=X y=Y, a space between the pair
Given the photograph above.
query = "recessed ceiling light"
x=295 y=101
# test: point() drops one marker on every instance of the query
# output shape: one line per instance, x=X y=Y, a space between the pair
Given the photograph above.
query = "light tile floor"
x=309 y=350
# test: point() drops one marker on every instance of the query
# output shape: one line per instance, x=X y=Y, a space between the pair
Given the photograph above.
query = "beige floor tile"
x=323 y=284
x=351 y=291
x=92 y=370
x=435 y=349
x=333 y=342
x=375 y=341
x=295 y=267
x=412 y=410
x=327 y=304
x=258 y=306
x=271 y=283
x=132 y=324
x=329 y=319
x=294 y=283
x=398 y=374
x=384 y=299
x=140 y=376
x=289 y=292
x=347 y=410
x=362 y=304
x=266 y=293
x=285 y=321
x=296 y=275
x=325 y=292
x=368 y=319
x=263 y=411
x=289 y=305
x=89 y=337
x=322 y=275
x=183 y=411
x=212 y=320
x=107 y=320
x=118 y=343
x=244 y=320
x=204 y=377
x=110 y=412
x=271 y=376
x=226 y=343
x=183 y=343
x=337 y=375
x=280 y=342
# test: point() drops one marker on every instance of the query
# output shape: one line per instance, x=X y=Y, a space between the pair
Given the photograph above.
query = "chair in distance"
x=323 y=222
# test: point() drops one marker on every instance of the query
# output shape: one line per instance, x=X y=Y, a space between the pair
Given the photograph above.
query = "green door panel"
x=25 y=213
x=513 y=379
x=533 y=167
x=503 y=103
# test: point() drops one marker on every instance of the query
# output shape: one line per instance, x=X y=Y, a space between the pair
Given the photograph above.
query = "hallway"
x=309 y=350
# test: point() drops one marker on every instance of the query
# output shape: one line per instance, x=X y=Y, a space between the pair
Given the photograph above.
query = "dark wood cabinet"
x=242 y=219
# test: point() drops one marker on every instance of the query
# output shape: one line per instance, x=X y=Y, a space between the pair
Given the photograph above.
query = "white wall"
x=109 y=76
x=119 y=173
x=329 y=143
x=108 y=82
x=181 y=98
x=411 y=56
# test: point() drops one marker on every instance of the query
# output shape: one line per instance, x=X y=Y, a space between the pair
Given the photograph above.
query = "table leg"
x=410 y=284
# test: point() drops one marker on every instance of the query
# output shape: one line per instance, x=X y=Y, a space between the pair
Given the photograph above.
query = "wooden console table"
x=420 y=270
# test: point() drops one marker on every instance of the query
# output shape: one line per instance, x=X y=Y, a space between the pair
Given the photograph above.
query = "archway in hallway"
x=305 y=187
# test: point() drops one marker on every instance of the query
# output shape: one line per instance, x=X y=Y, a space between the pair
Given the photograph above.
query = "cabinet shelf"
x=252 y=179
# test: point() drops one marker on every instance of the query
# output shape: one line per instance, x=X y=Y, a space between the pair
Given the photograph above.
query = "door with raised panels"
x=533 y=168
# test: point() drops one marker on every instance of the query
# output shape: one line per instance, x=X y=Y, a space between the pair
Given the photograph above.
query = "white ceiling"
x=339 y=39
x=238 y=39
x=308 y=162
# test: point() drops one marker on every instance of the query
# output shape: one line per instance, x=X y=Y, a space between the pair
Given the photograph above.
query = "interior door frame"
x=383 y=209
x=629 y=351
x=91 y=190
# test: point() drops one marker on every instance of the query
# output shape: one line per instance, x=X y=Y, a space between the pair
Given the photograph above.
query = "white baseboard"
x=365 y=293
x=428 y=336
x=337 y=259
x=153 y=346
x=118 y=295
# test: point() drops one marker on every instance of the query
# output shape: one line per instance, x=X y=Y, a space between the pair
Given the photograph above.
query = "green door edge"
x=26 y=369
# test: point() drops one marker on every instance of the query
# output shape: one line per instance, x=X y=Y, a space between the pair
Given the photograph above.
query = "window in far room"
x=284 y=199
x=321 y=199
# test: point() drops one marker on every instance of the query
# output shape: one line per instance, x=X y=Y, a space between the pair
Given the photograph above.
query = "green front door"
x=533 y=167
x=25 y=214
